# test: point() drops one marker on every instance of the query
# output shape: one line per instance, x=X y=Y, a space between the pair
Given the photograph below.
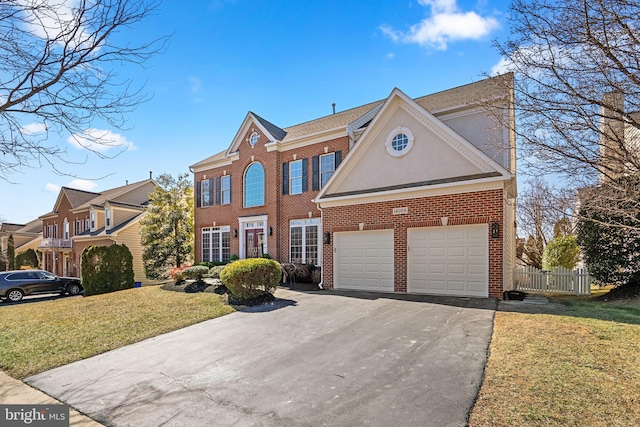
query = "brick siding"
x=483 y=207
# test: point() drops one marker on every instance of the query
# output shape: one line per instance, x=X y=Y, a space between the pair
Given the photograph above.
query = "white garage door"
x=450 y=260
x=363 y=260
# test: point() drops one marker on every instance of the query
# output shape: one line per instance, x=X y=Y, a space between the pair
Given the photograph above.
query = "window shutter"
x=338 y=158
x=210 y=191
x=218 y=190
x=198 y=195
x=315 y=173
x=285 y=178
x=305 y=174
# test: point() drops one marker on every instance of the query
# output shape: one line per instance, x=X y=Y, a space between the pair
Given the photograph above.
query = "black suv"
x=14 y=285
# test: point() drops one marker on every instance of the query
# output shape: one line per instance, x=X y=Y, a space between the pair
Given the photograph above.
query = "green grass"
x=576 y=364
x=39 y=336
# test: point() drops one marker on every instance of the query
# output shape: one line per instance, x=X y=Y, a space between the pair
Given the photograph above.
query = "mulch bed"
x=215 y=287
x=626 y=291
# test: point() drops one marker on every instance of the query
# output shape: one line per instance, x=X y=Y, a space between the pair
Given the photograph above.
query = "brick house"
x=399 y=195
x=83 y=218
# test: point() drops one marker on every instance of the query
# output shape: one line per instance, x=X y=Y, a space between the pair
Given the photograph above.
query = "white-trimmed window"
x=55 y=231
x=295 y=177
x=253 y=139
x=399 y=141
x=86 y=224
x=92 y=220
x=225 y=189
x=107 y=218
x=216 y=244
x=207 y=192
x=254 y=185
x=48 y=231
x=304 y=241
x=65 y=229
x=327 y=167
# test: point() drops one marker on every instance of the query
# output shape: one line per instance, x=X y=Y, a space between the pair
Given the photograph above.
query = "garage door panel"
x=364 y=260
x=450 y=260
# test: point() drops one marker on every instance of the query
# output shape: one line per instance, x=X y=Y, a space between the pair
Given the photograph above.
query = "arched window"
x=254 y=185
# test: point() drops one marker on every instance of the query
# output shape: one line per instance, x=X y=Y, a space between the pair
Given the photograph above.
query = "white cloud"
x=503 y=66
x=52 y=188
x=446 y=23
x=82 y=184
x=55 y=20
x=100 y=140
x=34 y=128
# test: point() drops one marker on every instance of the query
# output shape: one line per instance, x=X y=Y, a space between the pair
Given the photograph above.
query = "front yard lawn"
x=575 y=362
x=39 y=336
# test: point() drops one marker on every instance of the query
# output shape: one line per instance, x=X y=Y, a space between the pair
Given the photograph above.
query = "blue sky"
x=286 y=61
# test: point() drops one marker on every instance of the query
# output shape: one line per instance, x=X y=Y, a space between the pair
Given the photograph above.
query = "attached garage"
x=363 y=260
x=449 y=260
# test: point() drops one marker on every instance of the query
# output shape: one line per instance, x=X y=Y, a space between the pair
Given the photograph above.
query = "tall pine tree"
x=167 y=228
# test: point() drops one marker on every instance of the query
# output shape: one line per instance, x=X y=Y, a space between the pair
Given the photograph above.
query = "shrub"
x=266 y=256
x=214 y=272
x=197 y=272
x=177 y=274
x=234 y=257
x=106 y=269
x=211 y=264
x=250 y=278
x=563 y=251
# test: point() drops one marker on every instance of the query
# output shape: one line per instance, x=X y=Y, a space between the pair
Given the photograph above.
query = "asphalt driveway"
x=310 y=359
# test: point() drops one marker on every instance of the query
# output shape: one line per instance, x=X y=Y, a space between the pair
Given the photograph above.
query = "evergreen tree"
x=11 y=253
x=167 y=228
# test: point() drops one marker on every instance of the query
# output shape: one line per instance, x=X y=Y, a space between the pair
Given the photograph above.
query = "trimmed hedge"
x=197 y=272
x=214 y=272
x=106 y=269
x=250 y=278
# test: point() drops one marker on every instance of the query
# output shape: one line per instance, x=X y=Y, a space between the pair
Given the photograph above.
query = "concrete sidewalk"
x=15 y=392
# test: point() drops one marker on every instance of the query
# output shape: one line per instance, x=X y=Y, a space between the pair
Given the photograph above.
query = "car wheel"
x=73 y=289
x=15 y=295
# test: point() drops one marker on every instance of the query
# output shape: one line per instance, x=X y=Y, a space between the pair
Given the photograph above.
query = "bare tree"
x=577 y=88
x=58 y=73
x=542 y=214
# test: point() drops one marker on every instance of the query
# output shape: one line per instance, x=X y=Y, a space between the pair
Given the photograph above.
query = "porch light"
x=235 y=232
x=495 y=230
x=327 y=238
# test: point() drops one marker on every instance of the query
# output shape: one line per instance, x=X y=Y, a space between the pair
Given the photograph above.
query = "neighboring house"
x=399 y=195
x=25 y=236
x=82 y=218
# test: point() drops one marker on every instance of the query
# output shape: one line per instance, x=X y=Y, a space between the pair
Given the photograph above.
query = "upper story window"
x=295 y=177
x=399 y=141
x=65 y=231
x=225 y=189
x=327 y=167
x=55 y=231
x=207 y=193
x=48 y=231
x=253 y=139
x=323 y=167
x=107 y=218
x=78 y=229
x=92 y=220
x=254 y=185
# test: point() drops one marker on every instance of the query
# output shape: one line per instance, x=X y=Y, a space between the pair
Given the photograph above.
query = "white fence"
x=559 y=280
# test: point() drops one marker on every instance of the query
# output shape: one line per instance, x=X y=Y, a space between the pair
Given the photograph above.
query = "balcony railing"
x=55 y=243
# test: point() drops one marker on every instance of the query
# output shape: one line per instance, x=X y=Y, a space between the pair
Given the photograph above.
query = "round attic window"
x=253 y=139
x=399 y=141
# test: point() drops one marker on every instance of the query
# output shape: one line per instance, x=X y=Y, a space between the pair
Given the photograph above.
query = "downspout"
x=322 y=240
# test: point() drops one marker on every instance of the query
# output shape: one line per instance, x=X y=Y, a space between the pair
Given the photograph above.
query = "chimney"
x=150 y=174
x=612 y=146
x=334 y=107
x=126 y=182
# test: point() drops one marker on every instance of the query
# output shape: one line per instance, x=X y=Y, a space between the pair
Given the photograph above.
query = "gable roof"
x=112 y=193
x=483 y=167
x=358 y=117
